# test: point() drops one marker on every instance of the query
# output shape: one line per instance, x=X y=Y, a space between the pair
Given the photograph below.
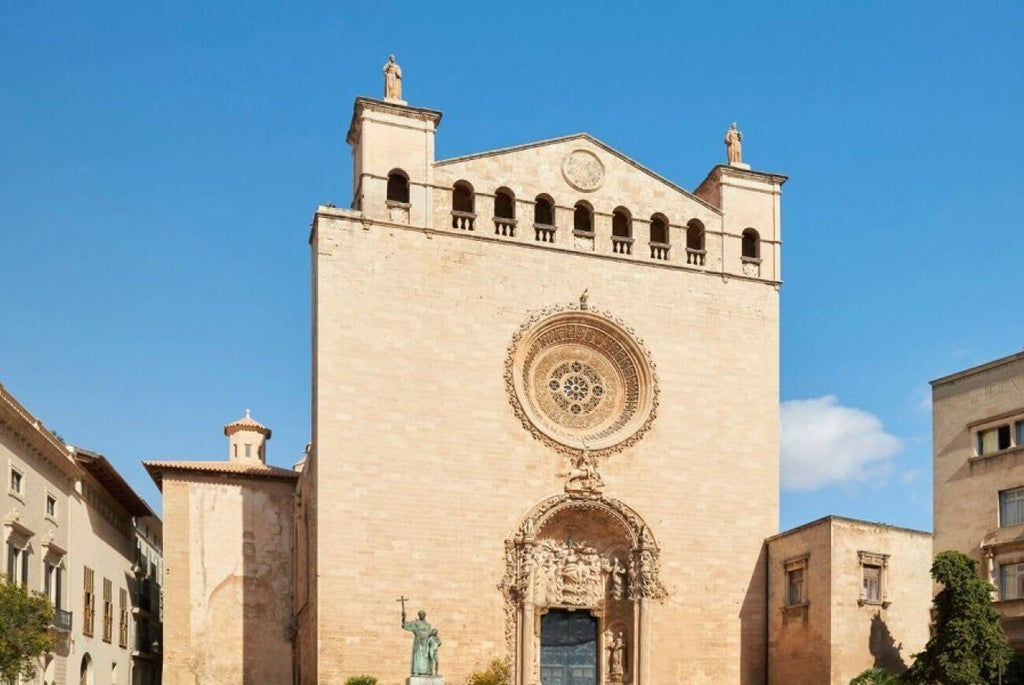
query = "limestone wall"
x=800 y=633
x=887 y=635
x=424 y=470
x=228 y=572
x=842 y=631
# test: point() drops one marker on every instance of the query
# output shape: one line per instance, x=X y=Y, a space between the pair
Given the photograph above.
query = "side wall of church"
x=306 y=559
x=228 y=580
x=425 y=470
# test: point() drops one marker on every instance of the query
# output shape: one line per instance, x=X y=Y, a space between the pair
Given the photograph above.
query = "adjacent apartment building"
x=978 y=471
x=73 y=529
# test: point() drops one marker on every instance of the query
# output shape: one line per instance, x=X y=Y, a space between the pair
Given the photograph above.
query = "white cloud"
x=824 y=443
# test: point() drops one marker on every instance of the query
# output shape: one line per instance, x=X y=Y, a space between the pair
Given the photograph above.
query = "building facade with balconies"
x=40 y=476
x=978 y=460
x=70 y=526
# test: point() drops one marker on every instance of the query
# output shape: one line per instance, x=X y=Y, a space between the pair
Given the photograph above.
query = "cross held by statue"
x=403 y=599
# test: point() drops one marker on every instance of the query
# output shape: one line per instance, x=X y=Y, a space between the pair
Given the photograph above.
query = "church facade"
x=545 y=409
x=545 y=430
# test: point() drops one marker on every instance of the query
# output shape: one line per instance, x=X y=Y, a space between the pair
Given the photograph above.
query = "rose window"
x=580 y=378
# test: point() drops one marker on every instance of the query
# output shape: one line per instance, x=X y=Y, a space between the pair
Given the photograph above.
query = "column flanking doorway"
x=568 y=648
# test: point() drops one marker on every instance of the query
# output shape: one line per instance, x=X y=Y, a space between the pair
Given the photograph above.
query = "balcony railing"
x=622 y=245
x=463 y=220
x=544 y=233
x=62 y=620
x=505 y=226
x=143 y=602
x=659 y=251
x=695 y=257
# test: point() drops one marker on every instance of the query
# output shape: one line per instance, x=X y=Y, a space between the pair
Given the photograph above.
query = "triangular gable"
x=592 y=140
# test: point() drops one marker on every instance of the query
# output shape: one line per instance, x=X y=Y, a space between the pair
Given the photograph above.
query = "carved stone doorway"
x=594 y=560
x=568 y=648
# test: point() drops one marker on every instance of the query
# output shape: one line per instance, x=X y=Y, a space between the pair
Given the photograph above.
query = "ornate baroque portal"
x=583 y=552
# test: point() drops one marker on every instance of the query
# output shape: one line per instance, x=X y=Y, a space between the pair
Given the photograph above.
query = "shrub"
x=876 y=676
x=361 y=680
x=499 y=672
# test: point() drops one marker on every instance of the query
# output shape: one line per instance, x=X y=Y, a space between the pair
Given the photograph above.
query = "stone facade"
x=481 y=476
x=978 y=442
x=845 y=596
x=228 y=564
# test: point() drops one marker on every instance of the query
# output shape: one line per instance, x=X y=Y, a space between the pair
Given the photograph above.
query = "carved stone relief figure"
x=567 y=574
x=616 y=648
x=616 y=578
x=583 y=478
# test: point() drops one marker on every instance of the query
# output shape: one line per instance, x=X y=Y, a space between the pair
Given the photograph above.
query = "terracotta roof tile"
x=228 y=468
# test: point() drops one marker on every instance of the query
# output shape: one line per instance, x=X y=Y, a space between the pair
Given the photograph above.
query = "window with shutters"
x=108 y=610
x=122 y=605
x=89 y=602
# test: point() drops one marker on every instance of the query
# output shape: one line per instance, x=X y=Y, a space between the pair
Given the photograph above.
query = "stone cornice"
x=33 y=433
x=362 y=104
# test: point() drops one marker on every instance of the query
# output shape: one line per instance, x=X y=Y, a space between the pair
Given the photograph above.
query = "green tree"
x=876 y=676
x=497 y=673
x=24 y=630
x=968 y=644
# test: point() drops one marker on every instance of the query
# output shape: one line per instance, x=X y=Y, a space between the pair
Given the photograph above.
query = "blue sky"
x=160 y=165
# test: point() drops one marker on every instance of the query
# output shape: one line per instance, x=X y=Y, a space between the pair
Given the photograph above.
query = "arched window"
x=583 y=218
x=398 y=186
x=695 y=243
x=544 y=219
x=751 y=244
x=463 y=201
x=544 y=211
x=504 y=204
x=504 y=212
x=659 y=229
x=622 y=231
x=621 y=223
x=659 y=237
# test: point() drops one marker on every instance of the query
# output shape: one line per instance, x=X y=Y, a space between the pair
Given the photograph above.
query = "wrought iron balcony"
x=61 y=620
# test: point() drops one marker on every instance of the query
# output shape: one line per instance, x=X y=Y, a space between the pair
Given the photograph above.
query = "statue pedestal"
x=739 y=165
x=425 y=680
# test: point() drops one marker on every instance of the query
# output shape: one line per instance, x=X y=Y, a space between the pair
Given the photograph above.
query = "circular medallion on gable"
x=583 y=170
x=577 y=377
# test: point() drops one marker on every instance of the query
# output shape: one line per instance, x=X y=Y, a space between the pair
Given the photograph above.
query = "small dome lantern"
x=247 y=440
